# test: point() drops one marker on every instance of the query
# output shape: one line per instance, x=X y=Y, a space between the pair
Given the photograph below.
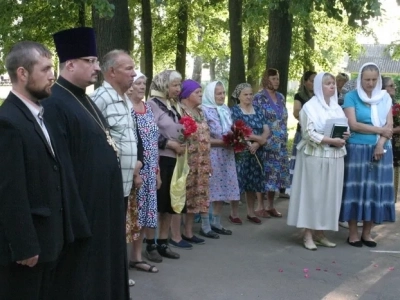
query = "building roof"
x=377 y=54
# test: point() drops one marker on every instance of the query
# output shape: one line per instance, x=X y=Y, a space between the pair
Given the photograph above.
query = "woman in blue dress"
x=368 y=193
x=249 y=163
x=273 y=105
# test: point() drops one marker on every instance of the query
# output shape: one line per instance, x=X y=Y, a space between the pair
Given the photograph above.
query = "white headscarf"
x=316 y=108
x=380 y=100
x=224 y=113
x=138 y=75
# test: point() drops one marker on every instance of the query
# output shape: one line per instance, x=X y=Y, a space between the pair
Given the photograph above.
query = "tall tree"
x=182 y=34
x=237 y=69
x=114 y=32
x=147 y=32
x=253 y=57
x=280 y=41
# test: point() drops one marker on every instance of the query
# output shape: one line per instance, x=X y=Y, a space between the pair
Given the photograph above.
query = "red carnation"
x=237 y=138
x=189 y=126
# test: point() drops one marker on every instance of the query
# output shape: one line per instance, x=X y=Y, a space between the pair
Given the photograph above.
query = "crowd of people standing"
x=119 y=168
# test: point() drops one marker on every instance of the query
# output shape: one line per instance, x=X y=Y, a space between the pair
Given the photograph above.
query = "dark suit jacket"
x=31 y=188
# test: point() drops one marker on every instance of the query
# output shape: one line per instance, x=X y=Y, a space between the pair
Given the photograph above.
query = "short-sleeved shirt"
x=302 y=101
x=363 y=115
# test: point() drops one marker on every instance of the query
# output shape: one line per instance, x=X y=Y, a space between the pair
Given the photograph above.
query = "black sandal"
x=211 y=234
x=134 y=265
x=222 y=231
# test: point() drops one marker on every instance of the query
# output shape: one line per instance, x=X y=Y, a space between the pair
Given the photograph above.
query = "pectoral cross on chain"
x=111 y=141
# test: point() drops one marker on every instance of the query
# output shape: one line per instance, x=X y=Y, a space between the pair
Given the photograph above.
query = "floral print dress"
x=147 y=194
x=197 y=181
x=223 y=182
x=277 y=158
x=251 y=175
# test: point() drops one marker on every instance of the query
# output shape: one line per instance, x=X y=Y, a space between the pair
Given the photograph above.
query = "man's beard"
x=38 y=94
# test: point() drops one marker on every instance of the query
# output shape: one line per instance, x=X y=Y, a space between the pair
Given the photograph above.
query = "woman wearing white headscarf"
x=368 y=193
x=318 y=175
x=223 y=182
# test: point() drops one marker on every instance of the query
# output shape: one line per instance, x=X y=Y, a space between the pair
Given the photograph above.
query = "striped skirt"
x=368 y=193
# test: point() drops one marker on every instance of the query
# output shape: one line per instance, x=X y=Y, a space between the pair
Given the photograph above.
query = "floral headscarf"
x=160 y=83
x=238 y=90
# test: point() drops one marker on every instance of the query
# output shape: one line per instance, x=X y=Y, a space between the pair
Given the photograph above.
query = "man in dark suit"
x=35 y=220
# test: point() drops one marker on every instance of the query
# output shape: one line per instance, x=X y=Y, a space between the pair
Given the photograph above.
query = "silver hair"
x=110 y=59
x=174 y=76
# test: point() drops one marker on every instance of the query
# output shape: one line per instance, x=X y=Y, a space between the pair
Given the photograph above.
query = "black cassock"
x=94 y=268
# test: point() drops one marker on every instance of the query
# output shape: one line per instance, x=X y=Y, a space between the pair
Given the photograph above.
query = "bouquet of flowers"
x=189 y=127
x=236 y=138
x=396 y=113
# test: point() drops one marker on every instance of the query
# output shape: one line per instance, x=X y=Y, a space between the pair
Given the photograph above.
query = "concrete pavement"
x=268 y=262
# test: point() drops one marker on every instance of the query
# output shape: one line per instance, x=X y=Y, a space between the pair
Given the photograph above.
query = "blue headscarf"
x=224 y=113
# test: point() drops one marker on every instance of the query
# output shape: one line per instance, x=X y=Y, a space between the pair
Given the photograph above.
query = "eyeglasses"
x=91 y=61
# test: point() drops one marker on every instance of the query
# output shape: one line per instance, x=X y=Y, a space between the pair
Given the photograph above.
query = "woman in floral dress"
x=147 y=194
x=223 y=182
x=197 y=181
x=273 y=106
x=250 y=163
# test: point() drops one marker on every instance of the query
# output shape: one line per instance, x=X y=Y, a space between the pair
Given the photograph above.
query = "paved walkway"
x=268 y=262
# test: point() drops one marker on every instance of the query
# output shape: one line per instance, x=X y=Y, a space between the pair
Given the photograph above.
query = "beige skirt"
x=316 y=192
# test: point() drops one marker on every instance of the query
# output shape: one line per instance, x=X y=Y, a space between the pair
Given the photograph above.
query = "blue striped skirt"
x=368 y=193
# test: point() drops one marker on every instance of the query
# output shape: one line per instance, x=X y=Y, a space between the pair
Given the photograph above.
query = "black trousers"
x=19 y=282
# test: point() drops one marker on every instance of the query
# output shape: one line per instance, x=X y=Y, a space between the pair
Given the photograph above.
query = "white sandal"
x=131 y=282
x=309 y=244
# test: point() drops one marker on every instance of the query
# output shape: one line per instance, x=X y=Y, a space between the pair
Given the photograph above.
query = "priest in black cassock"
x=93 y=268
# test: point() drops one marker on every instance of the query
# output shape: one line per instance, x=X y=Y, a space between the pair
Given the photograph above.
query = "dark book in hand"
x=338 y=130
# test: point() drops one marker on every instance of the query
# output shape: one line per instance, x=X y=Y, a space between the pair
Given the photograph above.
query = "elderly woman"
x=147 y=194
x=197 y=181
x=273 y=107
x=319 y=168
x=368 y=193
x=341 y=80
x=250 y=163
x=306 y=91
x=223 y=182
x=164 y=88
x=390 y=87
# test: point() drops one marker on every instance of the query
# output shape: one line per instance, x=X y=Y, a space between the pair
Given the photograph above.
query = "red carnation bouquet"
x=396 y=113
x=189 y=127
x=236 y=138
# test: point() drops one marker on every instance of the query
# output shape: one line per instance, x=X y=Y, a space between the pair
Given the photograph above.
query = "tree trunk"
x=82 y=14
x=114 y=33
x=183 y=16
x=308 y=64
x=237 y=70
x=213 y=62
x=197 y=68
x=279 y=42
x=147 y=33
x=253 y=57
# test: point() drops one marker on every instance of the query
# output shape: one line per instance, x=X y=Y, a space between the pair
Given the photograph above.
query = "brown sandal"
x=273 y=212
x=262 y=213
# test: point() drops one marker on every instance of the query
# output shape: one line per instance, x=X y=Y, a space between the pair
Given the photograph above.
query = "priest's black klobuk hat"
x=75 y=43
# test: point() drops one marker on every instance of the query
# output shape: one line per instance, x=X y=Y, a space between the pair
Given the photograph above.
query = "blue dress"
x=277 y=157
x=251 y=175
